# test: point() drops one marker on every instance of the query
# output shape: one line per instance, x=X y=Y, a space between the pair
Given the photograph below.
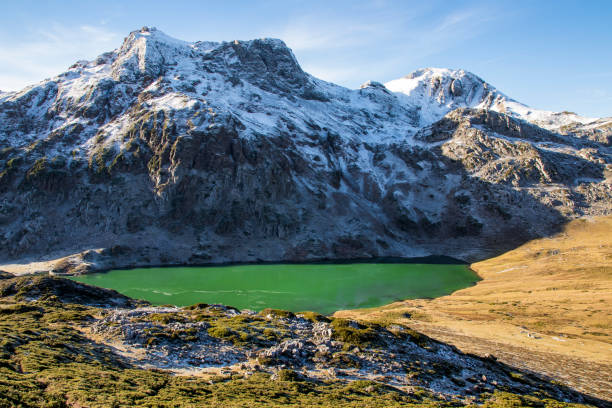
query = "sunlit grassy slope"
x=546 y=305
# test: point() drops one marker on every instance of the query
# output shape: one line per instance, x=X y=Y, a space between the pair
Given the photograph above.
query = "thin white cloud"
x=448 y=31
x=311 y=34
x=335 y=48
x=455 y=21
x=47 y=51
x=596 y=94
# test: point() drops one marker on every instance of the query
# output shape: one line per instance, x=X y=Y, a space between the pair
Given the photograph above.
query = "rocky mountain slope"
x=164 y=151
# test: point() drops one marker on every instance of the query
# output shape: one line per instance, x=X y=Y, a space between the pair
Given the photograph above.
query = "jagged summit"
x=446 y=85
x=155 y=35
x=204 y=151
x=151 y=50
x=440 y=90
x=147 y=51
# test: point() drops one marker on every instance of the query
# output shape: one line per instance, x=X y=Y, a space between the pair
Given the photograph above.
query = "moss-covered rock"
x=67 y=291
x=353 y=333
x=6 y=275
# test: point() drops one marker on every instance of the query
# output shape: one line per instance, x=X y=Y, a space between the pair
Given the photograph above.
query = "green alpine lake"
x=322 y=288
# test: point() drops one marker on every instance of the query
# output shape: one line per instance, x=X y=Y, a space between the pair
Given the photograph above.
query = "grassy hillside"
x=545 y=306
x=54 y=353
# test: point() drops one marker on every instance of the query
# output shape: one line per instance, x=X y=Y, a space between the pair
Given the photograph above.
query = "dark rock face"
x=5 y=275
x=206 y=152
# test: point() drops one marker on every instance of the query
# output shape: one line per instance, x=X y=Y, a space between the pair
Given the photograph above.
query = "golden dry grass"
x=545 y=306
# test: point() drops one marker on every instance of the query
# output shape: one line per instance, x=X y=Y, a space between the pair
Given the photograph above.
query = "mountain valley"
x=169 y=153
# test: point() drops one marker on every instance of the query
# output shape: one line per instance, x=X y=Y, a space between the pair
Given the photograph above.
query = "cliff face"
x=164 y=151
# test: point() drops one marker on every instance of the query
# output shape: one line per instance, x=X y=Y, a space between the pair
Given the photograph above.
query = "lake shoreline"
x=104 y=260
x=427 y=260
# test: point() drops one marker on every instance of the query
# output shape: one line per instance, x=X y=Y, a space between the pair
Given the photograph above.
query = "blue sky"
x=554 y=55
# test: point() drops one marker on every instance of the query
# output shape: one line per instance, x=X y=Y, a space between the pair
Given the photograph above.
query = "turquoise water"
x=323 y=288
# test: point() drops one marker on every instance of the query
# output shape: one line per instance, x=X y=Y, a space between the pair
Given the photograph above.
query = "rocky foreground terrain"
x=166 y=152
x=68 y=344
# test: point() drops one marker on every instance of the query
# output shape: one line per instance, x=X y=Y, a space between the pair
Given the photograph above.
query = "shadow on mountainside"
x=184 y=196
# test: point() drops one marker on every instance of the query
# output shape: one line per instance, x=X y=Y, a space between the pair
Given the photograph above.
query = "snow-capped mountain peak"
x=437 y=91
x=147 y=51
x=229 y=76
x=440 y=90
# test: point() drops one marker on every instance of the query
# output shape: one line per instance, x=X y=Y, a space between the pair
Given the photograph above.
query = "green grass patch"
x=353 y=333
